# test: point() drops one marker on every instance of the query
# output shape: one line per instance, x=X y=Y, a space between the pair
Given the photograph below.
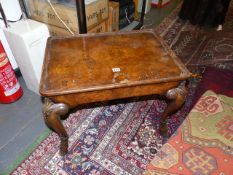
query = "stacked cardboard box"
x=58 y=31
x=96 y=15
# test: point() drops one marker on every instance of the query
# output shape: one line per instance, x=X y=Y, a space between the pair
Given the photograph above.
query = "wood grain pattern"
x=85 y=63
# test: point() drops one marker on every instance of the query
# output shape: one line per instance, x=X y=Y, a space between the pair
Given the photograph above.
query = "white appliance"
x=11 y=9
x=27 y=40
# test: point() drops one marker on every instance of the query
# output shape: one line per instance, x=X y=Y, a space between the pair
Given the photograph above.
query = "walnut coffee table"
x=100 y=67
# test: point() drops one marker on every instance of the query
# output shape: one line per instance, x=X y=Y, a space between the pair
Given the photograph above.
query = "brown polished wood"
x=99 y=67
x=176 y=99
x=52 y=113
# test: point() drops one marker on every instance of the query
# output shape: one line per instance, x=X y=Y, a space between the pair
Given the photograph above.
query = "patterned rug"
x=199 y=47
x=100 y=140
x=218 y=80
x=203 y=144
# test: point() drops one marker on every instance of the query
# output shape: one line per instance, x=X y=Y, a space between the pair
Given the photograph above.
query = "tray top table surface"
x=108 y=60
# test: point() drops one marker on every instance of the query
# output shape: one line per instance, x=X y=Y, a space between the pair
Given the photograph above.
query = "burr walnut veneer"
x=99 y=67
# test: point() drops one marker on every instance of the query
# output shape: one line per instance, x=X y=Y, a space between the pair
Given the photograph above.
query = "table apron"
x=75 y=99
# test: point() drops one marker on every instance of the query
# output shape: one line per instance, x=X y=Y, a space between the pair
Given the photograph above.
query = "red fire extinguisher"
x=10 y=89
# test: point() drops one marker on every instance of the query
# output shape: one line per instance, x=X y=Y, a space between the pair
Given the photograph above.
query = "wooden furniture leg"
x=52 y=113
x=177 y=97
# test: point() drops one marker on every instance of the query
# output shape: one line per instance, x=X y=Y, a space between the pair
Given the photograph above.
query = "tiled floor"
x=21 y=122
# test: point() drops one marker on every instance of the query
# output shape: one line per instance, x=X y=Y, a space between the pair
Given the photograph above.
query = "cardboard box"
x=113 y=17
x=99 y=28
x=40 y=10
x=57 y=31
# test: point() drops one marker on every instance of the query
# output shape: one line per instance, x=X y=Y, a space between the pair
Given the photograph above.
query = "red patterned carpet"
x=203 y=144
x=218 y=80
x=99 y=140
x=199 y=47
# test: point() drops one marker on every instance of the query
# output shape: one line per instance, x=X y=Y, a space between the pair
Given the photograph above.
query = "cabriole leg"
x=52 y=113
x=177 y=97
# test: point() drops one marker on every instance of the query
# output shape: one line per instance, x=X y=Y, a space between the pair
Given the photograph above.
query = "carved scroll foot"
x=177 y=97
x=52 y=113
